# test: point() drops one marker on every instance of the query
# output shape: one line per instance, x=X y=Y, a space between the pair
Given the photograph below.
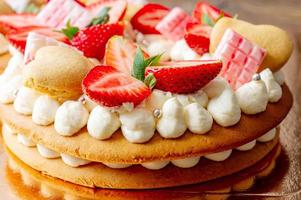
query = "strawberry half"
x=147 y=18
x=197 y=37
x=111 y=88
x=184 y=77
x=15 y=22
x=120 y=54
x=92 y=40
x=117 y=9
x=203 y=8
x=18 y=39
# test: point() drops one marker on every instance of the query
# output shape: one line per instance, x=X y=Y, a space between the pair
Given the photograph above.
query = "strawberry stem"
x=70 y=31
x=102 y=18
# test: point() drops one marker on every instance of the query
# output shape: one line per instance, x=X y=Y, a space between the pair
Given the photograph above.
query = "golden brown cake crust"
x=138 y=177
x=17 y=170
x=57 y=71
x=218 y=139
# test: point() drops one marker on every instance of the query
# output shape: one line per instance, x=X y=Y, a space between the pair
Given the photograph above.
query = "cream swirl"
x=74 y=161
x=25 y=141
x=46 y=152
x=219 y=156
x=186 y=162
x=274 y=89
x=70 y=117
x=181 y=51
x=25 y=100
x=9 y=90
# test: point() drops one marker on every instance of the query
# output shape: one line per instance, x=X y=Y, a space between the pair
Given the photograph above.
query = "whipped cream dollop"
x=247 y=147
x=198 y=119
x=181 y=51
x=199 y=97
x=225 y=108
x=9 y=90
x=13 y=68
x=137 y=126
x=25 y=100
x=215 y=87
x=89 y=104
x=25 y=141
x=74 y=161
x=70 y=117
x=268 y=136
x=186 y=162
x=44 y=110
x=3 y=44
x=102 y=123
x=117 y=165
x=157 y=99
x=274 y=89
x=220 y=156
x=155 y=165
x=253 y=97
x=46 y=152
x=160 y=47
x=279 y=77
x=172 y=123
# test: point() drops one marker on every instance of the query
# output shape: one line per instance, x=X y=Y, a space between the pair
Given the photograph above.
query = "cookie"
x=119 y=150
x=4 y=8
x=58 y=72
x=274 y=40
x=98 y=175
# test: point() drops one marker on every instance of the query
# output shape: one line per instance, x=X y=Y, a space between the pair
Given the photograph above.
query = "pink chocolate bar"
x=57 y=12
x=241 y=58
x=173 y=25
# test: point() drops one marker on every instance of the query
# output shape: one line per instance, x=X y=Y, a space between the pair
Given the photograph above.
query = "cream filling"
x=154 y=165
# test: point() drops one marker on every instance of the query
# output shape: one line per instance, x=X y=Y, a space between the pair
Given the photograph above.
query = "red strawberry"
x=197 y=37
x=14 y=22
x=116 y=13
x=203 y=8
x=173 y=25
x=184 y=76
x=109 y=87
x=92 y=40
x=18 y=39
x=147 y=18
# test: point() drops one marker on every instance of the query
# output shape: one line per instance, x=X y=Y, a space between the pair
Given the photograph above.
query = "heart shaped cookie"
x=274 y=40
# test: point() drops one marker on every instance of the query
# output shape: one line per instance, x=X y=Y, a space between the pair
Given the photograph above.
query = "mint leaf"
x=207 y=20
x=139 y=65
x=32 y=8
x=150 y=80
x=70 y=31
x=152 y=61
x=103 y=17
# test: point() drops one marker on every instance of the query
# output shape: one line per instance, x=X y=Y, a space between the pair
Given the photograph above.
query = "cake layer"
x=27 y=182
x=218 y=139
x=137 y=177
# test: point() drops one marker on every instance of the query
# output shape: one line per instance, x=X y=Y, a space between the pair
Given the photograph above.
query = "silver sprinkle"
x=256 y=77
x=82 y=100
x=157 y=113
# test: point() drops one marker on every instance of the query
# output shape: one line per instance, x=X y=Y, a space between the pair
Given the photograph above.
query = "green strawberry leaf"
x=207 y=20
x=150 y=80
x=103 y=17
x=140 y=64
x=70 y=31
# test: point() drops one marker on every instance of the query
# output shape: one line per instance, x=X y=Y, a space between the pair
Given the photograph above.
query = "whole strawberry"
x=92 y=40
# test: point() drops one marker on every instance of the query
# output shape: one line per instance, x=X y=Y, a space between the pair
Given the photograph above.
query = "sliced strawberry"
x=117 y=9
x=147 y=18
x=203 y=8
x=92 y=40
x=109 y=87
x=173 y=25
x=120 y=54
x=184 y=76
x=197 y=37
x=15 y=22
x=18 y=39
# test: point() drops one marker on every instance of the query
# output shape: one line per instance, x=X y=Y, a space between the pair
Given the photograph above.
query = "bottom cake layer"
x=31 y=184
x=136 y=177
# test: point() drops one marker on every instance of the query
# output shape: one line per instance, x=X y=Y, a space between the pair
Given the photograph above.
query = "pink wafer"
x=173 y=24
x=241 y=58
x=57 y=12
